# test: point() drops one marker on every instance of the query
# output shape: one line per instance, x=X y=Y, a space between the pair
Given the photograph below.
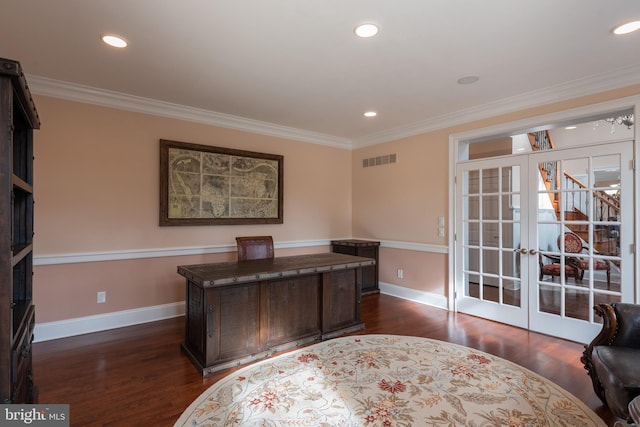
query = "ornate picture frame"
x=206 y=185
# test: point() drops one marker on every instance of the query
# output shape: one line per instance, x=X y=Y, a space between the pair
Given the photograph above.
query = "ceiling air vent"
x=380 y=160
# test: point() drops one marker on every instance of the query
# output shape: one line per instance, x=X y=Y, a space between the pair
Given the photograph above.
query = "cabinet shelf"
x=18 y=118
x=363 y=248
x=22 y=219
x=19 y=310
x=20 y=184
x=20 y=252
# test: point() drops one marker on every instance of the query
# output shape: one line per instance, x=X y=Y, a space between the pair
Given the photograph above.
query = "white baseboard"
x=421 y=297
x=102 y=322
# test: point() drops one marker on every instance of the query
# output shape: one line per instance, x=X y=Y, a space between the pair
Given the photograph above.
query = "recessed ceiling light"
x=366 y=30
x=115 y=41
x=467 y=80
x=571 y=127
x=627 y=28
x=370 y=114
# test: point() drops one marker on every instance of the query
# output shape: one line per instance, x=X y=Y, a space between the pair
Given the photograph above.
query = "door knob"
x=532 y=252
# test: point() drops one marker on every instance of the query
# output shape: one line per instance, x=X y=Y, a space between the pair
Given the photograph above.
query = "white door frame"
x=566 y=116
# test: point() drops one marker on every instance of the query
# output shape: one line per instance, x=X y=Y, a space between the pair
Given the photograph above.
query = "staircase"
x=606 y=207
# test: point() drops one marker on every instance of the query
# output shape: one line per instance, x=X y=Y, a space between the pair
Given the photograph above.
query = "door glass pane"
x=576 y=302
x=510 y=264
x=490 y=224
x=605 y=299
x=490 y=234
x=490 y=261
x=472 y=207
x=549 y=299
x=490 y=180
x=490 y=289
x=606 y=204
x=471 y=180
x=511 y=292
x=490 y=207
x=578 y=234
x=507 y=207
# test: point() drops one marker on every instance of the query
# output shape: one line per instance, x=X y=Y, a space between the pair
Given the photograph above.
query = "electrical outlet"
x=400 y=273
x=440 y=231
x=102 y=297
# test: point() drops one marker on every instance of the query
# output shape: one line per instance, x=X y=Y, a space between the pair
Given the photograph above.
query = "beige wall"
x=97 y=191
x=492 y=148
x=401 y=202
x=422 y=271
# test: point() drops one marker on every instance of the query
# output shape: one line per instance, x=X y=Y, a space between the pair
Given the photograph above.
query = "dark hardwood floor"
x=137 y=376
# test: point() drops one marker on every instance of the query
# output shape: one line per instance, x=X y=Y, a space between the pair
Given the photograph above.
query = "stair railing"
x=541 y=141
x=606 y=207
x=575 y=199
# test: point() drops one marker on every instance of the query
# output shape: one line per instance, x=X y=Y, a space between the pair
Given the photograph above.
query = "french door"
x=514 y=216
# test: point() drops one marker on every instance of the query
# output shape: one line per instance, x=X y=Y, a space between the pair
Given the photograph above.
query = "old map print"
x=206 y=184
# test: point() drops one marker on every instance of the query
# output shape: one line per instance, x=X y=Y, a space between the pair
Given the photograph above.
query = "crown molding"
x=581 y=87
x=105 y=98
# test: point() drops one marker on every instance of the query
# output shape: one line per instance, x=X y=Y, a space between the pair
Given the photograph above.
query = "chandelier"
x=626 y=120
x=623 y=120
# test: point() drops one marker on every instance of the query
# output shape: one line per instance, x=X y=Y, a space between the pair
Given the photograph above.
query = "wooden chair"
x=254 y=247
x=573 y=245
x=554 y=268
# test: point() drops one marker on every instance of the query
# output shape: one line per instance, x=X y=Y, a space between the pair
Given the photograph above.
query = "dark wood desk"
x=238 y=312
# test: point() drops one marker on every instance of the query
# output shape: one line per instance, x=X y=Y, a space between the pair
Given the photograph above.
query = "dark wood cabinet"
x=362 y=248
x=18 y=118
x=242 y=311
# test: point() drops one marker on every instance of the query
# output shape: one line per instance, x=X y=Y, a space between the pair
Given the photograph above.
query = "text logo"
x=34 y=415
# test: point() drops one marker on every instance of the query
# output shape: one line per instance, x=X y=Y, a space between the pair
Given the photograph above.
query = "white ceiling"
x=294 y=67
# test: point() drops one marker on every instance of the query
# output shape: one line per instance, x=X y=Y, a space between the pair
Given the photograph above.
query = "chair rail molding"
x=127 y=254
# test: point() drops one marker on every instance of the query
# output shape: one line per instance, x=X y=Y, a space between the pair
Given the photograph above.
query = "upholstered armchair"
x=254 y=247
x=611 y=359
x=554 y=268
x=573 y=245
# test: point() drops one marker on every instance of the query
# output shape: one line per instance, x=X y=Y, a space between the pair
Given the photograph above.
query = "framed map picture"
x=204 y=185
